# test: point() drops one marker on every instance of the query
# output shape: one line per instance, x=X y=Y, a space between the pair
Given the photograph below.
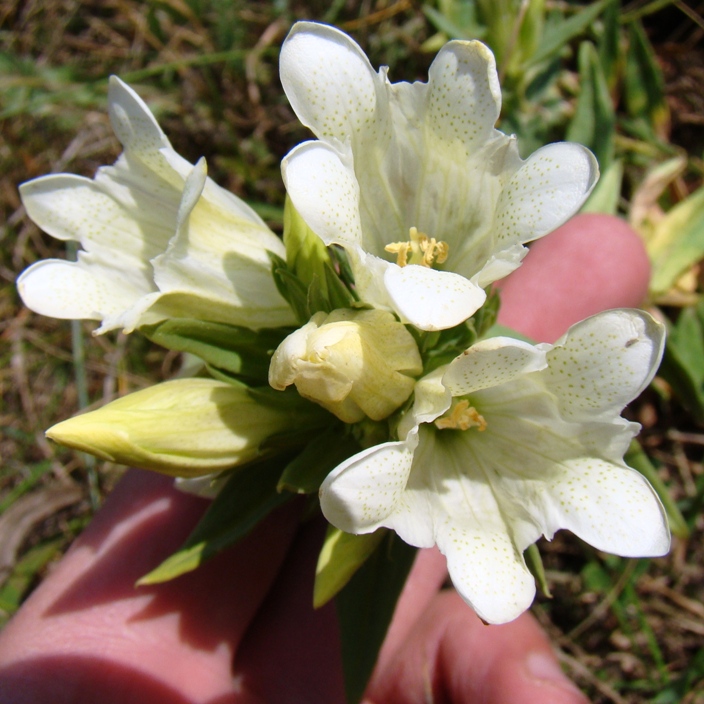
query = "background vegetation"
x=627 y=79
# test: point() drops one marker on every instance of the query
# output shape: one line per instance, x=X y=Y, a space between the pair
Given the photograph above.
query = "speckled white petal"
x=221 y=198
x=464 y=98
x=324 y=191
x=546 y=191
x=449 y=502
x=67 y=290
x=604 y=362
x=493 y=362
x=488 y=572
x=611 y=507
x=74 y=208
x=328 y=80
x=132 y=121
x=216 y=267
x=431 y=299
x=359 y=494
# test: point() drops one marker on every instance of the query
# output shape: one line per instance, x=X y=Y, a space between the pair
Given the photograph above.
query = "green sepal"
x=534 y=562
x=294 y=292
x=340 y=295
x=638 y=460
x=248 y=496
x=238 y=351
x=365 y=607
x=306 y=253
x=341 y=556
x=306 y=472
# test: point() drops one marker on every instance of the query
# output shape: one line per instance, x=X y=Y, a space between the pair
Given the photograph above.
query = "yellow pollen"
x=462 y=417
x=424 y=250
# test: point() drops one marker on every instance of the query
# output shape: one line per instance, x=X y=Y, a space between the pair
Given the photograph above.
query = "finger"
x=451 y=656
x=291 y=651
x=87 y=624
x=592 y=263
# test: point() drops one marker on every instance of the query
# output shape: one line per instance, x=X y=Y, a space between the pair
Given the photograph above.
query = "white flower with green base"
x=431 y=202
x=160 y=240
x=509 y=442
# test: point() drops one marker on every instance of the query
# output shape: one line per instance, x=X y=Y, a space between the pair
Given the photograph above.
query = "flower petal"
x=430 y=299
x=69 y=290
x=449 y=502
x=359 y=494
x=328 y=80
x=325 y=192
x=214 y=246
x=612 y=507
x=106 y=217
x=464 y=99
x=487 y=572
x=603 y=363
x=493 y=362
x=547 y=190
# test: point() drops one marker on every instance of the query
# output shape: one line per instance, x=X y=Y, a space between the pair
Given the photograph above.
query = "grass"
x=629 y=631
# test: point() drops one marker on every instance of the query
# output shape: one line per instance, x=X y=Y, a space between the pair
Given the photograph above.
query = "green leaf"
x=643 y=85
x=341 y=556
x=594 y=120
x=306 y=472
x=682 y=366
x=636 y=458
x=365 y=607
x=232 y=349
x=248 y=496
x=534 y=562
x=558 y=34
x=24 y=573
x=609 y=43
x=457 y=21
x=677 y=242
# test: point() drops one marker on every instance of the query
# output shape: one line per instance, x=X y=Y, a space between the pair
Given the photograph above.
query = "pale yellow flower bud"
x=354 y=363
x=185 y=427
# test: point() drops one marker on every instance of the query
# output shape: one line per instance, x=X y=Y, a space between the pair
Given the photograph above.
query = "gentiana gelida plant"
x=356 y=358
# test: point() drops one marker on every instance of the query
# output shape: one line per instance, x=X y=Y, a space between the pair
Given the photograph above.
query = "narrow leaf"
x=248 y=496
x=560 y=33
x=365 y=607
x=341 y=556
x=237 y=350
x=305 y=473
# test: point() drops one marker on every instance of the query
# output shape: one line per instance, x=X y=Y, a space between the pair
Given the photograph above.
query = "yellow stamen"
x=401 y=250
x=462 y=417
x=424 y=250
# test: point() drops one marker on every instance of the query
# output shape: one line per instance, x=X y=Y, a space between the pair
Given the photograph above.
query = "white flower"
x=354 y=363
x=431 y=203
x=159 y=238
x=508 y=442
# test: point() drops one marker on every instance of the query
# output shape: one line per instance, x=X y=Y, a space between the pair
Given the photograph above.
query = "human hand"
x=241 y=630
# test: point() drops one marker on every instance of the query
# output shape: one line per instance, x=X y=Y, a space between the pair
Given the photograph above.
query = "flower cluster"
x=358 y=350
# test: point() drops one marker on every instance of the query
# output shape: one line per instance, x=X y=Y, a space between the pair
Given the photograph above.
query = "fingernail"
x=542 y=666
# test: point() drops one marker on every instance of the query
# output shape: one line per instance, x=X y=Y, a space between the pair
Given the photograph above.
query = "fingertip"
x=452 y=655
x=592 y=263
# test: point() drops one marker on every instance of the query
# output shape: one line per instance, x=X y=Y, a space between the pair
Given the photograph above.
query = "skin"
x=241 y=630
